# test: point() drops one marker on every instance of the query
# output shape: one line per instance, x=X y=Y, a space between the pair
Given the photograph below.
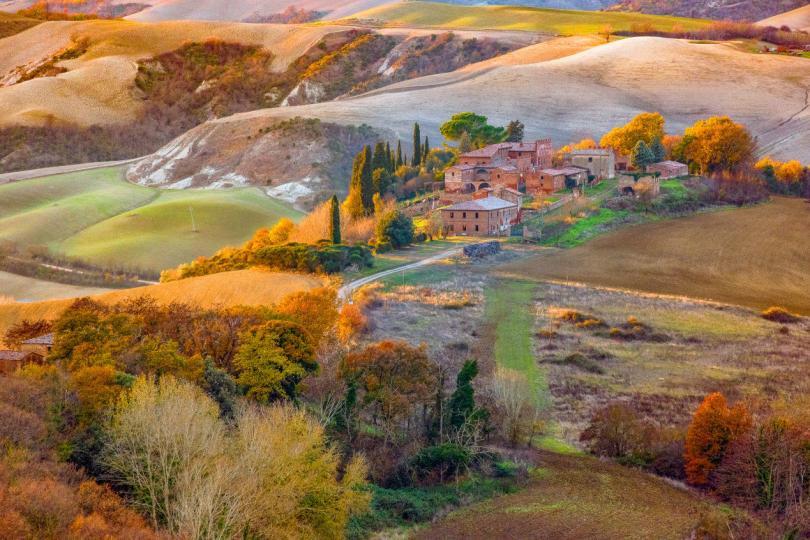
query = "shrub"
x=396 y=228
x=434 y=463
x=780 y=315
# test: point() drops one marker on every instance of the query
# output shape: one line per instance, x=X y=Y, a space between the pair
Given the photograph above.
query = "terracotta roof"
x=12 y=356
x=507 y=168
x=669 y=164
x=487 y=204
x=565 y=171
x=47 y=339
x=591 y=152
x=487 y=151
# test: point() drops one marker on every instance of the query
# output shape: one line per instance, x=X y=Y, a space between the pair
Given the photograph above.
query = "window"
x=464 y=214
x=590 y=160
x=464 y=228
x=476 y=215
x=476 y=228
x=452 y=214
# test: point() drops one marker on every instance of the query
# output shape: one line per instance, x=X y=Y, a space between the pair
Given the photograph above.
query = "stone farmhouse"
x=600 y=162
x=41 y=345
x=486 y=216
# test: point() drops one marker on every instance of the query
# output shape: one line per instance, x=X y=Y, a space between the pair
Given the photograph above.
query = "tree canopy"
x=474 y=125
x=645 y=127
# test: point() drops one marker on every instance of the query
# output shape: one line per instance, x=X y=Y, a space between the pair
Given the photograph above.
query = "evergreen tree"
x=514 y=131
x=465 y=143
x=417 y=146
x=367 y=182
x=658 y=150
x=354 y=202
x=642 y=156
x=334 y=221
x=379 y=160
x=425 y=150
x=399 y=163
x=389 y=158
x=462 y=402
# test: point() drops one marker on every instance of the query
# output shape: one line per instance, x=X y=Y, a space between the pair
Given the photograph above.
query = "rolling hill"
x=797 y=19
x=243 y=287
x=748 y=10
x=107 y=221
x=727 y=256
x=587 y=93
x=551 y=21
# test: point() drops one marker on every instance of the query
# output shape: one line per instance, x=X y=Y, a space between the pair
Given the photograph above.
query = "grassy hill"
x=14 y=24
x=753 y=257
x=26 y=289
x=552 y=21
x=243 y=287
x=797 y=19
x=97 y=216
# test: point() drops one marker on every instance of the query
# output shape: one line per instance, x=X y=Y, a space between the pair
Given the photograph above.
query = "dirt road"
x=7 y=178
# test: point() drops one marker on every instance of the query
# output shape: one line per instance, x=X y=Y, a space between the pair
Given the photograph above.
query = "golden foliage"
x=645 y=127
x=717 y=144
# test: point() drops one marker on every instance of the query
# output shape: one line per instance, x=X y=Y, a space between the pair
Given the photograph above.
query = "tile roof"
x=672 y=164
x=507 y=168
x=12 y=356
x=510 y=190
x=591 y=152
x=487 y=151
x=565 y=171
x=487 y=204
x=47 y=339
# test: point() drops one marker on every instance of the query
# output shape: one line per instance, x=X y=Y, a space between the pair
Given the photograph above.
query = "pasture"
x=754 y=257
x=243 y=287
x=98 y=217
x=547 y=21
x=26 y=289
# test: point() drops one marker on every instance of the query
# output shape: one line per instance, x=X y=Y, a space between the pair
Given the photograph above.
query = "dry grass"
x=244 y=287
x=99 y=86
x=755 y=257
x=27 y=289
x=798 y=19
x=632 y=75
x=574 y=497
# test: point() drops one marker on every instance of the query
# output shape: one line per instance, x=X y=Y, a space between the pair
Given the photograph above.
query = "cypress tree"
x=367 y=182
x=462 y=401
x=417 y=146
x=399 y=163
x=389 y=158
x=354 y=202
x=334 y=221
x=425 y=150
x=379 y=160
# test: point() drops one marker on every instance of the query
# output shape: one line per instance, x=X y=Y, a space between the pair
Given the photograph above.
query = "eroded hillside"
x=300 y=161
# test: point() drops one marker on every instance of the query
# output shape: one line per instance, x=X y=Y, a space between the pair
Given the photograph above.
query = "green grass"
x=551 y=21
x=510 y=304
x=674 y=187
x=586 y=228
x=401 y=257
x=98 y=217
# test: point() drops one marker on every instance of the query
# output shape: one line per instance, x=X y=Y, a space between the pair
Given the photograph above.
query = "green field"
x=551 y=21
x=98 y=217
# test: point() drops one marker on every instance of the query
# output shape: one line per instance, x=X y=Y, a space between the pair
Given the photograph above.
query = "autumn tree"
x=273 y=359
x=393 y=380
x=645 y=127
x=315 y=310
x=717 y=144
x=714 y=427
x=25 y=330
x=334 y=220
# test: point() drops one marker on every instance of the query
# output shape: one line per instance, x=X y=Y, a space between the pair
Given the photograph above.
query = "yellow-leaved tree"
x=646 y=127
x=717 y=144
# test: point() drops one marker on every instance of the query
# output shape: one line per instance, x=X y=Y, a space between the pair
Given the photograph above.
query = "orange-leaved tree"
x=646 y=127
x=717 y=144
x=714 y=427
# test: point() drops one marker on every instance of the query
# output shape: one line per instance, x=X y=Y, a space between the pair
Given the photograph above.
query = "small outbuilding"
x=669 y=169
x=11 y=361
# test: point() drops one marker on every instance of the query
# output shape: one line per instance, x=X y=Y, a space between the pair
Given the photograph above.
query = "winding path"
x=345 y=292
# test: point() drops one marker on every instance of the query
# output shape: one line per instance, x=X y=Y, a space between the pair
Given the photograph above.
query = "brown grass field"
x=754 y=257
x=798 y=19
x=243 y=287
x=28 y=289
x=574 y=497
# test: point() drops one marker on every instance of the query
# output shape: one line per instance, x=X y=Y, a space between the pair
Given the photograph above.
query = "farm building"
x=11 y=361
x=600 y=162
x=669 y=169
x=638 y=184
x=502 y=192
x=502 y=164
x=41 y=345
x=551 y=180
x=488 y=216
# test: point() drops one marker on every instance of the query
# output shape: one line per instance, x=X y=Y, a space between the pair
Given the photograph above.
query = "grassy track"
x=511 y=305
x=551 y=21
x=752 y=256
x=98 y=217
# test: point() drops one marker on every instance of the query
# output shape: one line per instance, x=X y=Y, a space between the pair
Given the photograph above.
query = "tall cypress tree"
x=354 y=202
x=417 y=146
x=399 y=163
x=367 y=182
x=425 y=150
x=334 y=221
x=379 y=160
x=389 y=158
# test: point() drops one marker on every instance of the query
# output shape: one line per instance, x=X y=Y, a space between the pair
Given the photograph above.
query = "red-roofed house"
x=488 y=216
